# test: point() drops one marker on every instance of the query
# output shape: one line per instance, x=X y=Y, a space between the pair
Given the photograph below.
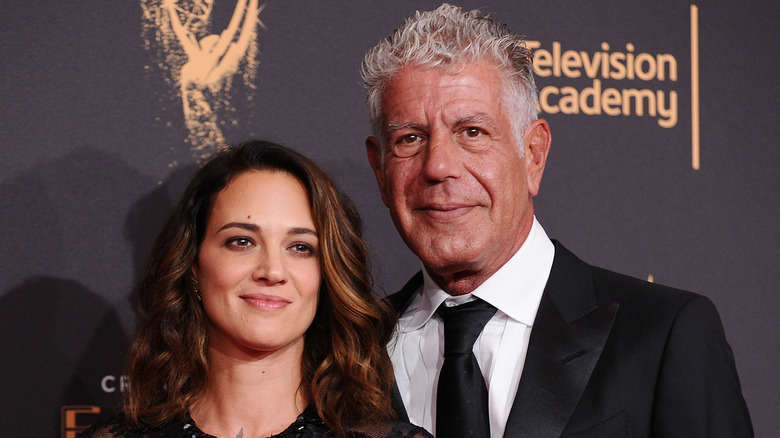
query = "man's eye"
x=472 y=132
x=409 y=138
x=407 y=145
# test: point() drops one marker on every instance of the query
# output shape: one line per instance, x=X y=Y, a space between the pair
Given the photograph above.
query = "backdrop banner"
x=664 y=161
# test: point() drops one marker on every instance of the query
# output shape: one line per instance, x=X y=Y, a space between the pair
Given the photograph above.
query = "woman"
x=257 y=316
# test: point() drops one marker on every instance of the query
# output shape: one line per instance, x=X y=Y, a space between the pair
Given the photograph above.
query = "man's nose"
x=442 y=158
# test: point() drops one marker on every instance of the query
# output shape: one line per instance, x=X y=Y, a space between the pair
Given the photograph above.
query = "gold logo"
x=70 y=425
x=201 y=65
x=613 y=64
x=606 y=65
x=695 y=140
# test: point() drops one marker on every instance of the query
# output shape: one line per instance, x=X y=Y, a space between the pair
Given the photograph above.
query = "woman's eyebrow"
x=242 y=225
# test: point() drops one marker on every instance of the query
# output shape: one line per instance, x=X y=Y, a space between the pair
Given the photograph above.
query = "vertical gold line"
x=695 y=87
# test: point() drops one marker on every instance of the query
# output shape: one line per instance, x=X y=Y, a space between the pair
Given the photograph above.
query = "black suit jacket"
x=614 y=356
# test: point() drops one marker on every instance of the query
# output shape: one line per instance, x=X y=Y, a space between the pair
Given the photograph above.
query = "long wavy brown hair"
x=347 y=373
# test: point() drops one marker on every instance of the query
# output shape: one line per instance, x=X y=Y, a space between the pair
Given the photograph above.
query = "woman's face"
x=258 y=267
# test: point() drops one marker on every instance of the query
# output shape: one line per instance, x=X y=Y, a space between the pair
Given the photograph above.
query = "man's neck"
x=463 y=280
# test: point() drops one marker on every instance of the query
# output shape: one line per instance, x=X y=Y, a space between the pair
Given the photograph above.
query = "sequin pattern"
x=307 y=425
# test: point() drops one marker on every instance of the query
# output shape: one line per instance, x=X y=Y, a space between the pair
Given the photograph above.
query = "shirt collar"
x=515 y=289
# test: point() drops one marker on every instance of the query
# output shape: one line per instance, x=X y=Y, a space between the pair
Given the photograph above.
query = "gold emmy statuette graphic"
x=203 y=64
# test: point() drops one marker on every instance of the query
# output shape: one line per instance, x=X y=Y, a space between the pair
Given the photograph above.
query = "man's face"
x=452 y=174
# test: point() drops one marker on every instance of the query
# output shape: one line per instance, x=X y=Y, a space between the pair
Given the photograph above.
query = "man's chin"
x=440 y=266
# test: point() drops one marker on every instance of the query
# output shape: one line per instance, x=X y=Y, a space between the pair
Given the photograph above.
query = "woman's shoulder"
x=118 y=427
x=310 y=425
x=391 y=429
x=112 y=427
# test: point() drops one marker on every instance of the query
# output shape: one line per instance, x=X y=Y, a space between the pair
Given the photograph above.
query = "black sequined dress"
x=307 y=425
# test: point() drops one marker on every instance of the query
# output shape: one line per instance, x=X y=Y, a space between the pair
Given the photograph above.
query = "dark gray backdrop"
x=93 y=156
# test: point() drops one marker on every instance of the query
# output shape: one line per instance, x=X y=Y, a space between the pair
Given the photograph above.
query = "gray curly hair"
x=448 y=38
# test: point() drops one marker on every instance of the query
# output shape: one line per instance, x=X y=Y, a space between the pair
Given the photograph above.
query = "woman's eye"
x=302 y=248
x=240 y=242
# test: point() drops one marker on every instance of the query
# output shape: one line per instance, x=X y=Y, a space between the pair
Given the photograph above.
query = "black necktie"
x=461 y=397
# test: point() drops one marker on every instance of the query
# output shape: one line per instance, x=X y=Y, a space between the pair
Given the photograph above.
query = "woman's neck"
x=250 y=396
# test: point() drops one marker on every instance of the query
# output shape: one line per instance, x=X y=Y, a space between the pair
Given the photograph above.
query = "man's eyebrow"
x=392 y=126
x=479 y=119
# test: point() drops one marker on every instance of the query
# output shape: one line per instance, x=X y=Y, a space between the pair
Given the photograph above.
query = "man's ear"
x=374 y=152
x=537 y=140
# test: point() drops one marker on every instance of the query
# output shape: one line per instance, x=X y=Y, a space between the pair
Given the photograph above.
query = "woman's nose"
x=270 y=268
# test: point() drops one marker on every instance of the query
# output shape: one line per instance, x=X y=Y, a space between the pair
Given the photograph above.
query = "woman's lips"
x=265 y=302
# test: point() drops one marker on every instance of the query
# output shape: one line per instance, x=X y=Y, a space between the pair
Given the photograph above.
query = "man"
x=572 y=349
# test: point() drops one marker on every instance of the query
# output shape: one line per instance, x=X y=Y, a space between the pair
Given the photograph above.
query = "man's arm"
x=698 y=392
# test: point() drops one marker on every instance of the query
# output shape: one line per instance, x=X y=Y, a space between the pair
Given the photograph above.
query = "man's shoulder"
x=614 y=286
x=611 y=286
x=653 y=305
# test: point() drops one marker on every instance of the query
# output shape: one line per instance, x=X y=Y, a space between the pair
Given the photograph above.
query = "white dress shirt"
x=417 y=351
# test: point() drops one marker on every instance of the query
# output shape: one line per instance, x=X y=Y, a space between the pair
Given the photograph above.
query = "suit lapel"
x=400 y=301
x=567 y=339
